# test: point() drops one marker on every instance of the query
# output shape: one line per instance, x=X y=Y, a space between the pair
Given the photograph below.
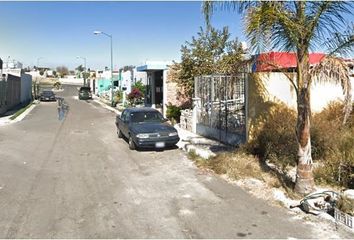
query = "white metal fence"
x=221 y=107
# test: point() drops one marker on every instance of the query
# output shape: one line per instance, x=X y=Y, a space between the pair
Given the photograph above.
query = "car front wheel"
x=120 y=135
x=131 y=144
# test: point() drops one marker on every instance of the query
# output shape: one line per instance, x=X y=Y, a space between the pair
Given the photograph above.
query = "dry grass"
x=273 y=136
x=237 y=165
x=346 y=205
x=240 y=165
x=332 y=145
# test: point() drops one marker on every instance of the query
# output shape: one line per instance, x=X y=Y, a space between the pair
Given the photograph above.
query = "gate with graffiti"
x=220 y=104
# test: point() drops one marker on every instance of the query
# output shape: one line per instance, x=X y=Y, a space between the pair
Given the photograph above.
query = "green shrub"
x=118 y=96
x=274 y=137
x=173 y=112
x=139 y=85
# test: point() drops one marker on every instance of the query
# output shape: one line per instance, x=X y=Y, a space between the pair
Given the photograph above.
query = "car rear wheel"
x=131 y=143
x=120 y=135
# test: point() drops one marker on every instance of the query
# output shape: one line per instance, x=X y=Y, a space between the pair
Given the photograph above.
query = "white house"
x=12 y=64
x=157 y=74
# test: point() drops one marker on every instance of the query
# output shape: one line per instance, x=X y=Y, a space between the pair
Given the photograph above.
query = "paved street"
x=75 y=179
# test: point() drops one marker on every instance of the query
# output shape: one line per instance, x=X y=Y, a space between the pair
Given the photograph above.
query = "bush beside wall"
x=274 y=139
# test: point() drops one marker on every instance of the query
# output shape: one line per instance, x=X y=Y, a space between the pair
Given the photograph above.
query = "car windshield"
x=48 y=93
x=140 y=117
x=85 y=89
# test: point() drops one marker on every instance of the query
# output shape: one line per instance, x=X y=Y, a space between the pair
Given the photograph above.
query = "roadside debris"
x=318 y=202
x=338 y=205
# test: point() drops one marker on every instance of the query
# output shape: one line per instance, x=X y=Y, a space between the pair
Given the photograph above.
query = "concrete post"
x=164 y=92
x=153 y=90
x=195 y=114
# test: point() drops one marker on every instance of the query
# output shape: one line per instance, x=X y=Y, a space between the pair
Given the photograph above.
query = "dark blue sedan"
x=146 y=128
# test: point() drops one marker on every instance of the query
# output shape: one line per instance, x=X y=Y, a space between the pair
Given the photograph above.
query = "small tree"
x=80 y=69
x=86 y=75
x=62 y=71
x=210 y=52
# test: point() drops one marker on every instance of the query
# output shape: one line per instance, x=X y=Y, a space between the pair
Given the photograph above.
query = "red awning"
x=265 y=62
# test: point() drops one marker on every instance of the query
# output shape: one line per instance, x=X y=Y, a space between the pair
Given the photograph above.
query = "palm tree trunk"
x=304 y=177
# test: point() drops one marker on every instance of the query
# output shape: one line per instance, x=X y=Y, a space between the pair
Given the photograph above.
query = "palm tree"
x=299 y=26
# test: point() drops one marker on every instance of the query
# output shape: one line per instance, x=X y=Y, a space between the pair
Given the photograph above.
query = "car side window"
x=124 y=113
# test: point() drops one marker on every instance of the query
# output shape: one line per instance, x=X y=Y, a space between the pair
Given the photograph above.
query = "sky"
x=58 y=32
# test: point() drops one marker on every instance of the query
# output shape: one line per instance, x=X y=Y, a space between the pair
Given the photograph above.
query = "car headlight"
x=173 y=134
x=142 y=135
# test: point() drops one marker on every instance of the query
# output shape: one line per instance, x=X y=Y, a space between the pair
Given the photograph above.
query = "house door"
x=158 y=87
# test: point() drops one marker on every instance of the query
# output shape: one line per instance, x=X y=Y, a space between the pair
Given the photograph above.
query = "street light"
x=36 y=85
x=110 y=36
x=38 y=61
x=84 y=68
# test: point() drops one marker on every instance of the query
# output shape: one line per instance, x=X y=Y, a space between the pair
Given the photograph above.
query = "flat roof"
x=158 y=65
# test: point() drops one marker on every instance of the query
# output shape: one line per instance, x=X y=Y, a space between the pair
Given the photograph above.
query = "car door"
x=125 y=122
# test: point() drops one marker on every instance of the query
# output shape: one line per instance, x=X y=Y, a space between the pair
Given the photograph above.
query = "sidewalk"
x=202 y=146
x=7 y=119
x=105 y=105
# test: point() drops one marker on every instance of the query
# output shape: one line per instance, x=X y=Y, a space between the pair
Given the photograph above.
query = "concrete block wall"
x=26 y=88
x=13 y=91
x=10 y=92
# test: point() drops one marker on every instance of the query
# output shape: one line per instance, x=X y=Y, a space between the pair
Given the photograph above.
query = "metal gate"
x=221 y=107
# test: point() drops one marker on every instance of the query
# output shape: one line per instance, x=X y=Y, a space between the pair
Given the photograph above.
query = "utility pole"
x=110 y=36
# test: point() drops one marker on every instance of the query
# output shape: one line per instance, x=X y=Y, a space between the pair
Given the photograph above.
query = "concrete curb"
x=187 y=143
x=6 y=120
x=95 y=99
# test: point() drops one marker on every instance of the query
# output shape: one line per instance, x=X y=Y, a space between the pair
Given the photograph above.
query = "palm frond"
x=333 y=69
x=209 y=6
x=271 y=25
x=342 y=44
x=325 y=18
x=208 y=10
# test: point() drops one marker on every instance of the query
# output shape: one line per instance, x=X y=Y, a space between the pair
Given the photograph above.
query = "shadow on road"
x=63 y=108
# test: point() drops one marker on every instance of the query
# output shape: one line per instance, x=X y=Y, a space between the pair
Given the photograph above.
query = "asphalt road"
x=75 y=179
